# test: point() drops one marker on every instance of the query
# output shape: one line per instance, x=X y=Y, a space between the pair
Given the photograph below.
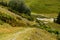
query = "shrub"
x=5 y=17
x=19 y=6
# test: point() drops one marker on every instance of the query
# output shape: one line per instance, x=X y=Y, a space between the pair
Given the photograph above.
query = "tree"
x=58 y=18
x=19 y=5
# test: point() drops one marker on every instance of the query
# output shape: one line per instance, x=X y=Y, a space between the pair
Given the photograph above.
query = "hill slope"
x=16 y=26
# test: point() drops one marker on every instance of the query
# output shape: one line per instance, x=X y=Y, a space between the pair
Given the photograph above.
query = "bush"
x=5 y=17
x=18 y=5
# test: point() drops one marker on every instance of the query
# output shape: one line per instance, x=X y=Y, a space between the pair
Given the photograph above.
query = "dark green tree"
x=19 y=5
x=58 y=18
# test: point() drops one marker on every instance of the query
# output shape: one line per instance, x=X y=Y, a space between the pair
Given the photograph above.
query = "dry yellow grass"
x=20 y=33
x=5 y=29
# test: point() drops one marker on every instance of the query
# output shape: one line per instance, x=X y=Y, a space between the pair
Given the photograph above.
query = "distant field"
x=44 y=6
x=48 y=15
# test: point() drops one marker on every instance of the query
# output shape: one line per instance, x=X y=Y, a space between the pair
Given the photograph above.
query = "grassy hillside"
x=44 y=6
x=12 y=23
x=19 y=26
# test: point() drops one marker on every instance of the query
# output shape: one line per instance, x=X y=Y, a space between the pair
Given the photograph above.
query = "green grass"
x=44 y=6
x=54 y=25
